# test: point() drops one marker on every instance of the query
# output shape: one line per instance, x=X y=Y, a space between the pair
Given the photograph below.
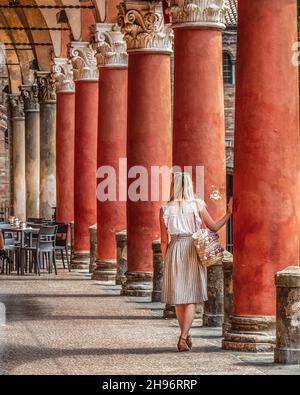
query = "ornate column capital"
x=30 y=97
x=46 y=87
x=207 y=13
x=16 y=106
x=142 y=24
x=83 y=60
x=109 y=44
x=62 y=74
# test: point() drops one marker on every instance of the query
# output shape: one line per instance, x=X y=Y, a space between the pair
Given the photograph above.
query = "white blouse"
x=183 y=217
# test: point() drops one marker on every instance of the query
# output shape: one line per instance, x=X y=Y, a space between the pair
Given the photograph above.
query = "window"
x=228 y=69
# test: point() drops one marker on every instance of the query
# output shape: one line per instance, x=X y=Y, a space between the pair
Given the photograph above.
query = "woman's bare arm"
x=215 y=226
x=164 y=238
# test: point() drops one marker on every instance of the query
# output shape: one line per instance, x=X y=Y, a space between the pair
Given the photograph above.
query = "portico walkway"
x=71 y=325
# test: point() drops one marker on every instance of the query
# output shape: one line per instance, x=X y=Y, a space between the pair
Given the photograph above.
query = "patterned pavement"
x=70 y=324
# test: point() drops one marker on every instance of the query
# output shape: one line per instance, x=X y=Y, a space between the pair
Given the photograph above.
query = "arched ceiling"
x=31 y=33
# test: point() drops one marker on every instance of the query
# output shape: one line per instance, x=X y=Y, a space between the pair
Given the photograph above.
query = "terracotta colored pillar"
x=199 y=118
x=86 y=125
x=112 y=128
x=65 y=139
x=17 y=116
x=149 y=129
x=199 y=121
x=47 y=99
x=266 y=168
x=32 y=155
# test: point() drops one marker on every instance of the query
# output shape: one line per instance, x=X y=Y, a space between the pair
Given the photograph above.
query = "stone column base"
x=225 y=328
x=287 y=356
x=106 y=270
x=169 y=312
x=139 y=284
x=123 y=289
x=121 y=239
x=92 y=267
x=214 y=307
x=80 y=260
x=250 y=333
x=156 y=296
x=213 y=320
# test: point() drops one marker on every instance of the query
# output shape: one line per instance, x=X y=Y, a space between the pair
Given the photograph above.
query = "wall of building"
x=5 y=196
x=229 y=46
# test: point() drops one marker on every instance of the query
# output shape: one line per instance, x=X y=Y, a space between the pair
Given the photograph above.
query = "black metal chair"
x=34 y=220
x=43 y=249
x=62 y=243
x=10 y=254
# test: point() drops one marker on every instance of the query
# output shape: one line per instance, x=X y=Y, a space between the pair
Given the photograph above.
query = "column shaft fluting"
x=18 y=151
x=32 y=142
x=47 y=99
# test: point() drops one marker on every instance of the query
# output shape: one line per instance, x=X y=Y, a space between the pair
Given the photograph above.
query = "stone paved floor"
x=71 y=325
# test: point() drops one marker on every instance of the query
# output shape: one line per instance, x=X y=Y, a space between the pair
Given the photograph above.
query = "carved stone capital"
x=142 y=24
x=209 y=13
x=46 y=86
x=83 y=60
x=109 y=44
x=16 y=106
x=30 y=97
x=62 y=74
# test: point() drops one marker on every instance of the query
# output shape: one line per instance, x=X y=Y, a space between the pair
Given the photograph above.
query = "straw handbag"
x=208 y=246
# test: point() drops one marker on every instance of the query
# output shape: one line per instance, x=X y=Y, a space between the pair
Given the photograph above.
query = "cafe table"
x=21 y=236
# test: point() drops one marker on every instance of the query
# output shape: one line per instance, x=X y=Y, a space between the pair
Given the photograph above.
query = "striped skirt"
x=185 y=281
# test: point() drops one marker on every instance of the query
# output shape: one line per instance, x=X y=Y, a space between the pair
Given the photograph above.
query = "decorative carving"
x=46 y=85
x=200 y=12
x=62 y=74
x=110 y=45
x=30 y=96
x=83 y=60
x=142 y=23
x=16 y=106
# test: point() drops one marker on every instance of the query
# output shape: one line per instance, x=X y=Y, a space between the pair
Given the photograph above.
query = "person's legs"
x=180 y=310
x=188 y=318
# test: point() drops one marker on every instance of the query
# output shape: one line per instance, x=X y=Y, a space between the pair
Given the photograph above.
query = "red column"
x=199 y=126
x=266 y=185
x=112 y=130
x=65 y=146
x=148 y=144
x=149 y=133
x=86 y=125
x=86 y=110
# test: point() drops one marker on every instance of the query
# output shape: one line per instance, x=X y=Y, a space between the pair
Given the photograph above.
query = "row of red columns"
x=266 y=206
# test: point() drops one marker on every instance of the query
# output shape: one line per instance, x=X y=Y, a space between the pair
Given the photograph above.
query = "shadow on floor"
x=6 y=297
x=11 y=355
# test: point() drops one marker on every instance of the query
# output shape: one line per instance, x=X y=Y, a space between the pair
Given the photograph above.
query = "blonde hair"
x=181 y=188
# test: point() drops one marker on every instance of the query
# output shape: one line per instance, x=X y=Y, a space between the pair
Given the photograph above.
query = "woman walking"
x=185 y=280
